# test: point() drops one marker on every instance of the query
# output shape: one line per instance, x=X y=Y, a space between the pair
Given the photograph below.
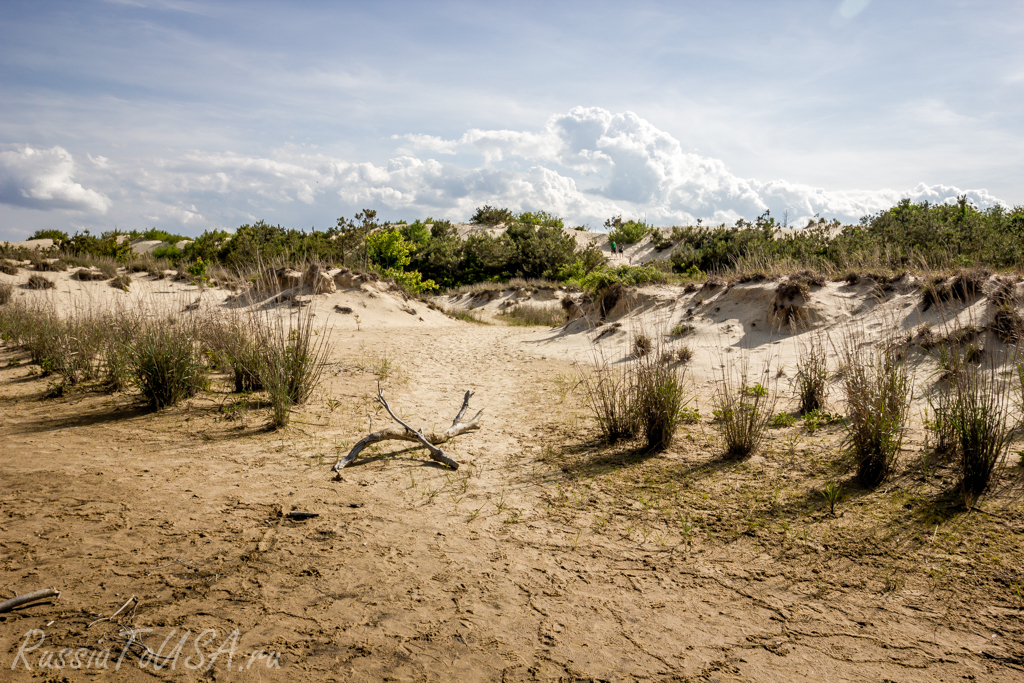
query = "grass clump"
x=659 y=399
x=167 y=364
x=8 y=268
x=40 y=282
x=122 y=282
x=533 y=316
x=877 y=384
x=642 y=345
x=812 y=375
x=294 y=355
x=234 y=345
x=744 y=412
x=610 y=390
x=6 y=292
x=973 y=421
x=466 y=316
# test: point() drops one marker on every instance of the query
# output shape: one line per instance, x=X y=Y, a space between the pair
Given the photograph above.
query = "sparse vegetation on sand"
x=878 y=384
x=525 y=314
x=744 y=408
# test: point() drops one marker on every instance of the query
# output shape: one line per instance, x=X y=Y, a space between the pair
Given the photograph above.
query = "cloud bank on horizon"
x=586 y=165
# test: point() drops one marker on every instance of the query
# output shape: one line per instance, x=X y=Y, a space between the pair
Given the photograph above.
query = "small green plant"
x=682 y=330
x=817 y=418
x=831 y=493
x=689 y=416
x=782 y=420
x=756 y=391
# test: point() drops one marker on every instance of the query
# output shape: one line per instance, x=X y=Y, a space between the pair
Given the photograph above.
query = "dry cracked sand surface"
x=544 y=557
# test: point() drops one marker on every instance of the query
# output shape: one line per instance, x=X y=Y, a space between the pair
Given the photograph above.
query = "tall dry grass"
x=877 y=380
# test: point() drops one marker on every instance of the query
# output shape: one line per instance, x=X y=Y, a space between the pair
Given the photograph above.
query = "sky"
x=191 y=116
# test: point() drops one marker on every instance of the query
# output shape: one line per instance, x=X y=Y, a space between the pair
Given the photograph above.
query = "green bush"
x=628 y=232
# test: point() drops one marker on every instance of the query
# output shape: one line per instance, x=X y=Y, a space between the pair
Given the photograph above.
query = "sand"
x=503 y=570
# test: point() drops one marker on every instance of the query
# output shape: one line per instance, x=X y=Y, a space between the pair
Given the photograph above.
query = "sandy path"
x=410 y=572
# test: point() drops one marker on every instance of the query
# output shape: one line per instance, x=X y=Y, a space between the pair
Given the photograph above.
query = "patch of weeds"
x=6 y=292
x=816 y=419
x=782 y=420
x=465 y=316
x=541 y=316
x=689 y=416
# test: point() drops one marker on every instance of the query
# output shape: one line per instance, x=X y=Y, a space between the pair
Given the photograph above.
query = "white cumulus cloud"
x=44 y=179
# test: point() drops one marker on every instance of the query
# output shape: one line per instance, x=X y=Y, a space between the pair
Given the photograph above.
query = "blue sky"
x=196 y=115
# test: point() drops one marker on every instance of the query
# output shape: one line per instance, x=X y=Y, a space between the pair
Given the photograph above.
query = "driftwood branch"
x=8 y=605
x=407 y=433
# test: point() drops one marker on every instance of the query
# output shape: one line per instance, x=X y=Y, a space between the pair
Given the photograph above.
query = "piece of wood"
x=407 y=433
x=42 y=594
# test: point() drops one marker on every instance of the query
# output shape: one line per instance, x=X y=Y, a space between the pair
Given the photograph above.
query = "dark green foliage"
x=489 y=215
x=625 y=232
x=58 y=237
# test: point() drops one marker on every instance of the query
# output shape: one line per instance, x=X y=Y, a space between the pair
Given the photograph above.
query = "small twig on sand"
x=120 y=609
x=8 y=605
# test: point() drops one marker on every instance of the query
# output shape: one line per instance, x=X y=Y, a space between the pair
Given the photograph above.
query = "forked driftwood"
x=407 y=433
x=8 y=605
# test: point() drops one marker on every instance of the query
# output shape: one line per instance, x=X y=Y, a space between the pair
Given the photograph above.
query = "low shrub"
x=8 y=268
x=40 y=282
x=6 y=292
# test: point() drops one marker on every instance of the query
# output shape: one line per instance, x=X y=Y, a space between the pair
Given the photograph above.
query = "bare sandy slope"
x=503 y=570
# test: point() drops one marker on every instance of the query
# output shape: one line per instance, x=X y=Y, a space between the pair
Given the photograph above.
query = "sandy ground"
x=544 y=557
